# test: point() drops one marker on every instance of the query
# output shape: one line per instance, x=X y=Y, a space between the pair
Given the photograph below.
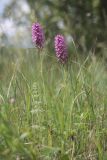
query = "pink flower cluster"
x=61 y=48
x=38 y=39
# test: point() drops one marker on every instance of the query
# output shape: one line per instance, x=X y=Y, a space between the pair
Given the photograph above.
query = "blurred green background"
x=84 y=21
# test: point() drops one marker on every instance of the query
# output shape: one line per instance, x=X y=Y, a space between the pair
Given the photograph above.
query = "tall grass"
x=50 y=111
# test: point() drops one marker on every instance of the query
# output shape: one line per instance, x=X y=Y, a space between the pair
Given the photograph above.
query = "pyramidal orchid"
x=38 y=37
x=61 y=48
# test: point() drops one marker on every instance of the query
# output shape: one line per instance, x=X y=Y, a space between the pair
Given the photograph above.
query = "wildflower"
x=38 y=37
x=61 y=48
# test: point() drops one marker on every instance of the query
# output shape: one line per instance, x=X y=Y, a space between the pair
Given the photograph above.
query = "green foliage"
x=50 y=111
x=85 y=20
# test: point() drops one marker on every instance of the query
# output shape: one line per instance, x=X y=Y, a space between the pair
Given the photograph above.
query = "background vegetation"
x=84 y=20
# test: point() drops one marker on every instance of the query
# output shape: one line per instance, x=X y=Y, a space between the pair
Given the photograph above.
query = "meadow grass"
x=50 y=111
